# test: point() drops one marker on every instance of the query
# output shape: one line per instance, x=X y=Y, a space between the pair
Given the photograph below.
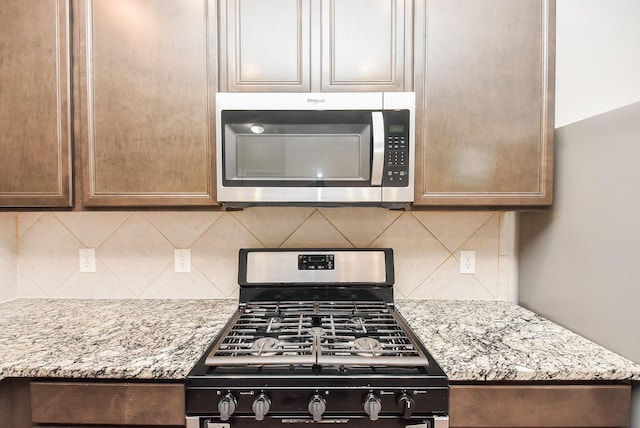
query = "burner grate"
x=316 y=333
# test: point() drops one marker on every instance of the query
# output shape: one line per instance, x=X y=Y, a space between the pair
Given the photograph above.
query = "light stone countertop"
x=163 y=339
x=123 y=339
x=501 y=341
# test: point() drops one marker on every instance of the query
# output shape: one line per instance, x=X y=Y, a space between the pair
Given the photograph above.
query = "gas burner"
x=317 y=331
x=366 y=346
x=265 y=346
x=274 y=324
x=357 y=324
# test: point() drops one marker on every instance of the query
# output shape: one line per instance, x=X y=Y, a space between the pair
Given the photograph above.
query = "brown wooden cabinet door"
x=266 y=45
x=365 y=44
x=315 y=45
x=485 y=91
x=146 y=85
x=35 y=137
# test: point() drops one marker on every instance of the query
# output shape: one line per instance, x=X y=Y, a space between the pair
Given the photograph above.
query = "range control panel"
x=315 y=261
x=396 y=150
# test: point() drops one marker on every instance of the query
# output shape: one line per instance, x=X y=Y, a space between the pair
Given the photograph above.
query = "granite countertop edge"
x=483 y=341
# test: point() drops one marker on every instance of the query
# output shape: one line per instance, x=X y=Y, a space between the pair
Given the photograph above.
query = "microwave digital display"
x=393 y=129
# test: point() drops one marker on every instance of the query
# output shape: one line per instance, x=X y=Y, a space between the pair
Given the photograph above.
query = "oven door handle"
x=377 y=161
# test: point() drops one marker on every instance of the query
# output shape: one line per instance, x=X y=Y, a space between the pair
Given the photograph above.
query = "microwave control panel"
x=396 y=151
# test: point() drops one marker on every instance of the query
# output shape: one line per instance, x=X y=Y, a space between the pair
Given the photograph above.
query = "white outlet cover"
x=182 y=260
x=467 y=262
x=87 y=259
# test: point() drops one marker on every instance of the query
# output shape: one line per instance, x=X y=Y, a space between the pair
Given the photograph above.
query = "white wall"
x=597 y=57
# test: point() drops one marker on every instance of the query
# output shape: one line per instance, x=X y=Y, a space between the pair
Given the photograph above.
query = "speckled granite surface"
x=145 y=339
x=162 y=339
x=500 y=341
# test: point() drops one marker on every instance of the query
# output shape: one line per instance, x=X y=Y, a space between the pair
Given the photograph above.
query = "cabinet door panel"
x=363 y=45
x=267 y=45
x=487 y=129
x=35 y=137
x=146 y=121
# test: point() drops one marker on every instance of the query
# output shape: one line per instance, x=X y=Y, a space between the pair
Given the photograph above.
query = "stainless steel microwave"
x=315 y=148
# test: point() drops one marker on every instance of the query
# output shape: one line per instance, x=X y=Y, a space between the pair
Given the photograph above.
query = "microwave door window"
x=298 y=155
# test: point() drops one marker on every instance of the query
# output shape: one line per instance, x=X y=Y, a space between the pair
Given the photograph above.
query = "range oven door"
x=283 y=152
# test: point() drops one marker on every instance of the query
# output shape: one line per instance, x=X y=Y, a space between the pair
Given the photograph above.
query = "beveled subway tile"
x=92 y=228
x=452 y=228
x=182 y=228
x=417 y=254
x=137 y=253
x=272 y=225
x=361 y=226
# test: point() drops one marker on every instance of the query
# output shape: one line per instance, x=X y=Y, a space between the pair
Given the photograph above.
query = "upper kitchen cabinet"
x=485 y=91
x=316 y=45
x=145 y=86
x=35 y=126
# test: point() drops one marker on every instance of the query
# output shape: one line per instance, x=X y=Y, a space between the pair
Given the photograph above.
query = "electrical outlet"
x=182 y=260
x=87 y=259
x=467 y=261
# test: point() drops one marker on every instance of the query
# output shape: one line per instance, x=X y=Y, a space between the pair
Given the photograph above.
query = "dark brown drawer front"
x=540 y=406
x=107 y=403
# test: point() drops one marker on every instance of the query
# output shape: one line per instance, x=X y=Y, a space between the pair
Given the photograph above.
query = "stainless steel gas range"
x=316 y=339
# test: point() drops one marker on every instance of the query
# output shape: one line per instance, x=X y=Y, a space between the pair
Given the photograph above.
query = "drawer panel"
x=513 y=406
x=150 y=404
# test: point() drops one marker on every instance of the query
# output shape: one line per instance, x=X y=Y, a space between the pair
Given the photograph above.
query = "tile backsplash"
x=8 y=256
x=134 y=250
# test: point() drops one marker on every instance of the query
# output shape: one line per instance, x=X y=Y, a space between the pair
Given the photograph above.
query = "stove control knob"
x=406 y=405
x=226 y=406
x=372 y=406
x=317 y=406
x=261 y=406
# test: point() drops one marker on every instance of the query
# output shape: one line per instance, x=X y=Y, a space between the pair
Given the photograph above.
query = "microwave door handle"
x=377 y=162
